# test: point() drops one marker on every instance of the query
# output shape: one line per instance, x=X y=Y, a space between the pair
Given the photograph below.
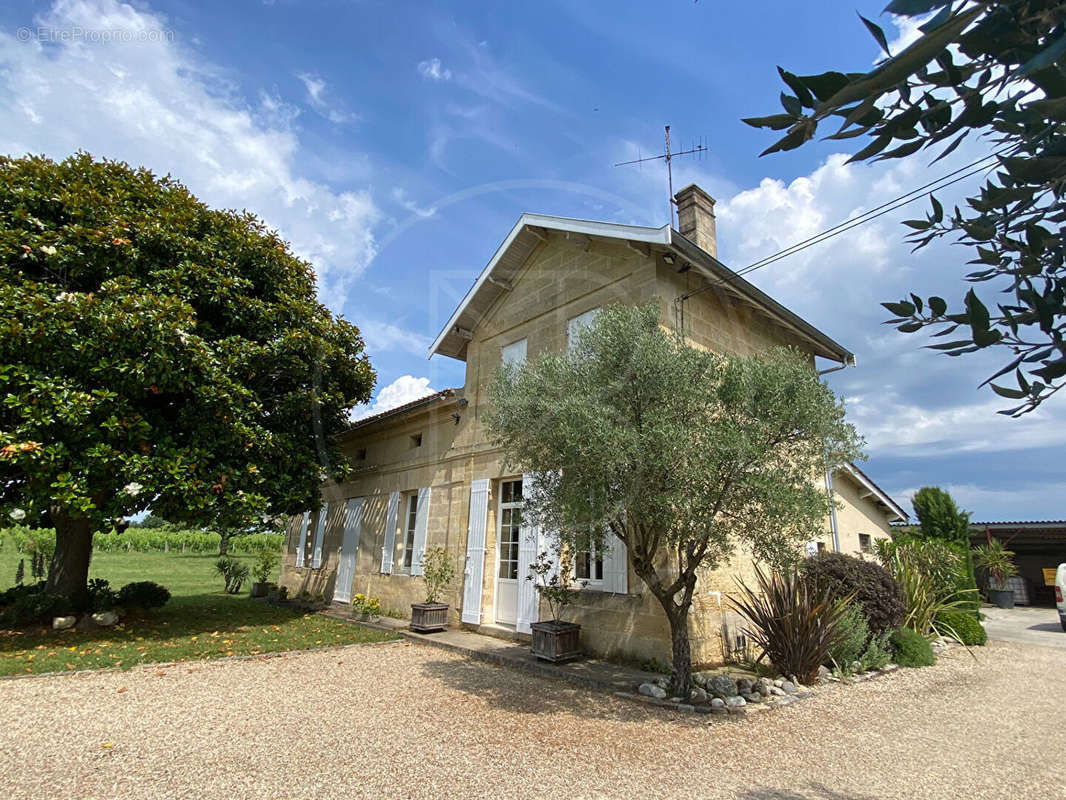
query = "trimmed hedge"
x=142 y=594
x=960 y=625
x=874 y=589
x=28 y=604
x=911 y=649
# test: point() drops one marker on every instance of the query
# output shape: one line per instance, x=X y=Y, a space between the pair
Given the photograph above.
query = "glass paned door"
x=508 y=526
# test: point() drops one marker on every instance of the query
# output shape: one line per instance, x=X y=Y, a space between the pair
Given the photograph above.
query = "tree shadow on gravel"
x=524 y=693
x=813 y=791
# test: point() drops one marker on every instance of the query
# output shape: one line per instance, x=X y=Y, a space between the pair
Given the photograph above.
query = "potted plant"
x=265 y=564
x=998 y=562
x=553 y=640
x=438 y=570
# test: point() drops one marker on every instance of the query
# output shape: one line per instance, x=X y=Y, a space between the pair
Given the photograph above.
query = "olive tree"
x=683 y=454
x=995 y=70
x=155 y=353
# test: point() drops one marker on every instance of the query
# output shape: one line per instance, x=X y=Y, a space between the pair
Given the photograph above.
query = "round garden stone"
x=698 y=695
x=736 y=702
x=763 y=686
x=717 y=702
x=722 y=685
x=744 y=686
x=788 y=687
x=651 y=690
x=62 y=623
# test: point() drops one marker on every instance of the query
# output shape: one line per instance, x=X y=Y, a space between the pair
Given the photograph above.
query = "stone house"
x=426 y=476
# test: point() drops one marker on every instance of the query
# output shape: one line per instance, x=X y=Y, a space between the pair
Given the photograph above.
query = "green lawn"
x=199 y=622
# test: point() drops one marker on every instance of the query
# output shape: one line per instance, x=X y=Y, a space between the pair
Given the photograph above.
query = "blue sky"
x=395 y=144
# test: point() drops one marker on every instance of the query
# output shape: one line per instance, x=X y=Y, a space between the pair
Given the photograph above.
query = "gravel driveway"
x=400 y=720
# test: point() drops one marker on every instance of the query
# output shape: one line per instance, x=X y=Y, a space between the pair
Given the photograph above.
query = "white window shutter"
x=421 y=523
x=473 y=574
x=301 y=539
x=575 y=325
x=320 y=532
x=615 y=565
x=349 y=550
x=514 y=353
x=390 y=533
x=528 y=539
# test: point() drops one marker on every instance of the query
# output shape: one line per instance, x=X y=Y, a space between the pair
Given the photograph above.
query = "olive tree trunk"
x=676 y=600
x=68 y=574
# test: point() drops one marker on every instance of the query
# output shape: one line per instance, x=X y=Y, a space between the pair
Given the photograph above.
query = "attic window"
x=416 y=440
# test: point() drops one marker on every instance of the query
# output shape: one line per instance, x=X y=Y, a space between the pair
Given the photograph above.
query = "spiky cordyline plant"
x=795 y=625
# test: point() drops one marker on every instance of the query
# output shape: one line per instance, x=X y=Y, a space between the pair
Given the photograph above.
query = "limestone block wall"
x=857 y=515
x=562 y=279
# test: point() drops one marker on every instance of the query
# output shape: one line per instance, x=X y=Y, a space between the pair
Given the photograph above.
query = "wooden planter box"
x=429 y=617
x=556 y=640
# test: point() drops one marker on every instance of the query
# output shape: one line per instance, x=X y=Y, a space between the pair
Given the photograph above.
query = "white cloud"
x=894 y=425
x=386 y=336
x=988 y=504
x=907 y=32
x=314 y=86
x=317 y=98
x=403 y=390
x=400 y=196
x=433 y=70
x=907 y=401
x=157 y=104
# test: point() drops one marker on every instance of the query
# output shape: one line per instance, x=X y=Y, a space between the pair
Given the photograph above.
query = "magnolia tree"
x=155 y=353
x=682 y=454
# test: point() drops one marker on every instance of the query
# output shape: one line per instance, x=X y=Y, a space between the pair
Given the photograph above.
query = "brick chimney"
x=695 y=218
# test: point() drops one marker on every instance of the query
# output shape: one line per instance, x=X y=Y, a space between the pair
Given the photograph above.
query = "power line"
x=842 y=227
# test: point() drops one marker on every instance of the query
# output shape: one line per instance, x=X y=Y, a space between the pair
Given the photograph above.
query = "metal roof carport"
x=1037 y=545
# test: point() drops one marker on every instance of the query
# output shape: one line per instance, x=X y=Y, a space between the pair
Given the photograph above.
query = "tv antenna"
x=699 y=148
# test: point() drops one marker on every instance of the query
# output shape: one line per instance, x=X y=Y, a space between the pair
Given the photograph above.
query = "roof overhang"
x=726 y=280
x=403 y=410
x=874 y=492
x=532 y=229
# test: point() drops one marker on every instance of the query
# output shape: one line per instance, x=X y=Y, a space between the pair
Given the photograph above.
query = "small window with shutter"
x=575 y=325
x=514 y=353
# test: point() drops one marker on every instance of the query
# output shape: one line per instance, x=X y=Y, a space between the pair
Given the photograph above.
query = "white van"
x=1060 y=593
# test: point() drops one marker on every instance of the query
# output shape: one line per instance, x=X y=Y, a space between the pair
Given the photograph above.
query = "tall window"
x=509 y=526
x=409 y=536
x=588 y=564
x=866 y=543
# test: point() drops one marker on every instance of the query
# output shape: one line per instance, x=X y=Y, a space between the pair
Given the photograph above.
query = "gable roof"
x=531 y=230
x=876 y=493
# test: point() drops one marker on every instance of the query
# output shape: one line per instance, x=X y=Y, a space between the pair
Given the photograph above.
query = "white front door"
x=508 y=522
x=353 y=519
